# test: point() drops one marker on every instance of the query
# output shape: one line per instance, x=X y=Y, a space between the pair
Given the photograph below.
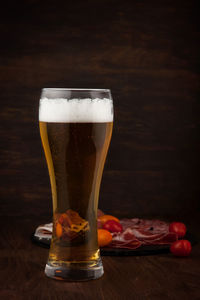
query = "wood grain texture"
x=141 y=277
x=147 y=53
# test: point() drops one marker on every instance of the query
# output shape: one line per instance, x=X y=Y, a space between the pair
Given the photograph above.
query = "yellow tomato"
x=58 y=230
x=104 y=237
x=105 y=218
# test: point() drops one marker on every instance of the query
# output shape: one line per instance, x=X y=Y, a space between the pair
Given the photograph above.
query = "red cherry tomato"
x=181 y=248
x=105 y=218
x=178 y=228
x=113 y=226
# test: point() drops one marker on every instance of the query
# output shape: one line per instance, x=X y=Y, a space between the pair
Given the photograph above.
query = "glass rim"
x=76 y=89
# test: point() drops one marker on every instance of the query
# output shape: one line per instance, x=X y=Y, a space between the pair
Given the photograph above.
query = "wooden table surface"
x=147 y=53
x=135 y=277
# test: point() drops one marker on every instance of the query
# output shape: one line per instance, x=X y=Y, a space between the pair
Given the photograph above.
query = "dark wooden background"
x=147 y=53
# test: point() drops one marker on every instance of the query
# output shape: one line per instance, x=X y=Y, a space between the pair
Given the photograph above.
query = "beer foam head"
x=76 y=110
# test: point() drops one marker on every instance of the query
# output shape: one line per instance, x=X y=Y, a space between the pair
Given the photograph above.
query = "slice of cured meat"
x=167 y=239
x=72 y=225
x=44 y=231
x=126 y=239
x=154 y=226
x=137 y=232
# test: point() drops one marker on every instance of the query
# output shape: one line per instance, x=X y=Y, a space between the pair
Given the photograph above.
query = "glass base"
x=74 y=271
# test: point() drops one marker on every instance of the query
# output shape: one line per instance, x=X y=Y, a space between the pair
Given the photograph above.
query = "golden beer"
x=75 y=146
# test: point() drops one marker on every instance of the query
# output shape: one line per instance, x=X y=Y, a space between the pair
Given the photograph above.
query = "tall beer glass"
x=75 y=128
